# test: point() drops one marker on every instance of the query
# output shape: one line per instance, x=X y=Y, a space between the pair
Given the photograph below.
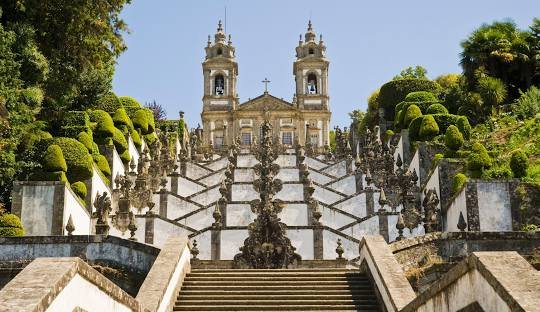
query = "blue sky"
x=368 y=42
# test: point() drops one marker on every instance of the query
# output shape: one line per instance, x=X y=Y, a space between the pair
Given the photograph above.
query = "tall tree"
x=418 y=72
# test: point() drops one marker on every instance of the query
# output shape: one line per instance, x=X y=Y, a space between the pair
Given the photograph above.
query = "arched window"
x=219 y=85
x=311 y=52
x=312 y=84
x=219 y=51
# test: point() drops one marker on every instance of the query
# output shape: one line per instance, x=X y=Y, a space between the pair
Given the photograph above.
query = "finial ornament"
x=309 y=26
x=220 y=26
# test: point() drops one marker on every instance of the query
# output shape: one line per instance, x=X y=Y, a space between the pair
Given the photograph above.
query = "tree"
x=493 y=92
x=158 y=110
x=418 y=72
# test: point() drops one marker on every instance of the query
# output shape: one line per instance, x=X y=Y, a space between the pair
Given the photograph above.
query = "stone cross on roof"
x=266 y=82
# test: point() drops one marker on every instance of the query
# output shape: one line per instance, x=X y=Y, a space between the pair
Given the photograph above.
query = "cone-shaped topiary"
x=86 y=140
x=79 y=188
x=10 y=225
x=428 y=128
x=104 y=125
x=141 y=121
x=54 y=160
x=119 y=141
x=126 y=157
x=478 y=160
x=414 y=128
x=453 y=139
x=413 y=112
x=519 y=164
x=436 y=108
x=395 y=91
x=464 y=127
x=78 y=160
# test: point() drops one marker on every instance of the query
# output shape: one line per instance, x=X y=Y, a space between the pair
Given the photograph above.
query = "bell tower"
x=311 y=72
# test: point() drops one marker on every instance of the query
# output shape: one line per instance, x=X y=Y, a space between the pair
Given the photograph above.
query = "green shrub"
x=530 y=228
x=458 y=182
x=49 y=176
x=79 y=188
x=464 y=127
x=136 y=138
x=498 y=172
x=75 y=122
x=436 y=109
x=119 y=141
x=445 y=120
x=414 y=128
x=519 y=164
x=121 y=118
x=10 y=225
x=126 y=157
x=102 y=164
x=398 y=120
x=421 y=96
x=413 y=112
x=395 y=91
x=478 y=160
x=150 y=138
x=32 y=96
x=78 y=160
x=453 y=139
x=436 y=159
x=128 y=101
x=86 y=140
x=428 y=128
x=104 y=125
x=108 y=102
x=528 y=104
x=144 y=119
x=53 y=160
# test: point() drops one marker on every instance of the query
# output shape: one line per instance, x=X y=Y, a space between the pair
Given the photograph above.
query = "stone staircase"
x=276 y=290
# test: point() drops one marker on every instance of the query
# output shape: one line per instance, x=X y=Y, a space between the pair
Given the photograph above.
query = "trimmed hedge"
x=75 y=122
x=49 y=176
x=10 y=225
x=104 y=126
x=413 y=112
x=453 y=139
x=79 y=188
x=102 y=164
x=86 y=140
x=136 y=138
x=144 y=119
x=119 y=141
x=464 y=127
x=121 y=118
x=109 y=103
x=458 y=182
x=53 y=160
x=78 y=160
x=421 y=96
x=436 y=108
x=150 y=138
x=398 y=119
x=478 y=160
x=128 y=101
x=428 y=128
x=126 y=157
x=414 y=128
x=395 y=91
x=519 y=164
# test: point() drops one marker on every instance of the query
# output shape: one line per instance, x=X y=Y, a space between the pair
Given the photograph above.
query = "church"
x=305 y=119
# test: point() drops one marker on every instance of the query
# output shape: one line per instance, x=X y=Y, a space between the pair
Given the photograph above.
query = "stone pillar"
x=318 y=241
x=383 y=226
x=174 y=182
x=215 y=243
x=515 y=203
x=370 y=204
x=163 y=199
x=471 y=202
x=358 y=180
x=58 y=209
x=149 y=229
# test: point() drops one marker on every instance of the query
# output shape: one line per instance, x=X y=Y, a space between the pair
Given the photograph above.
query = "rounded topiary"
x=79 y=188
x=453 y=139
x=414 y=128
x=420 y=96
x=121 y=118
x=119 y=141
x=86 y=140
x=478 y=160
x=464 y=127
x=104 y=124
x=458 y=182
x=136 y=138
x=126 y=157
x=412 y=112
x=109 y=102
x=10 y=225
x=519 y=164
x=150 y=138
x=141 y=121
x=395 y=91
x=78 y=160
x=102 y=164
x=54 y=160
x=398 y=119
x=428 y=128
x=128 y=101
x=436 y=108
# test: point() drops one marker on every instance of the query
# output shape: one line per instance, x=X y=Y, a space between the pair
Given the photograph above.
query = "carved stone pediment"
x=266 y=102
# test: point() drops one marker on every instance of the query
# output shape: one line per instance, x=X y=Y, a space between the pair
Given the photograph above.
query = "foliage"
x=119 y=141
x=126 y=157
x=478 y=160
x=519 y=164
x=108 y=102
x=128 y=101
x=150 y=138
x=428 y=128
x=421 y=97
x=414 y=128
x=464 y=127
x=53 y=159
x=105 y=125
x=395 y=91
x=498 y=172
x=436 y=109
x=122 y=121
x=136 y=138
x=332 y=136
x=157 y=110
x=143 y=119
x=102 y=164
x=528 y=104
x=413 y=112
x=492 y=91
x=453 y=139
x=357 y=116
x=458 y=182
x=418 y=72
x=86 y=140
x=78 y=160
x=10 y=225
x=79 y=188
x=530 y=228
x=182 y=127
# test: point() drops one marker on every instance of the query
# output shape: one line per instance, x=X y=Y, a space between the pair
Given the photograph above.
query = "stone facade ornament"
x=339 y=249
x=432 y=213
x=194 y=250
x=70 y=227
x=462 y=225
x=102 y=203
x=267 y=246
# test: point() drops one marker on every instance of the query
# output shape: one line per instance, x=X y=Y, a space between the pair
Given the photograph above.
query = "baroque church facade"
x=305 y=119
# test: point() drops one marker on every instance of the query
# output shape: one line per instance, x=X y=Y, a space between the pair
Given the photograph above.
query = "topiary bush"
x=464 y=127
x=53 y=160
x=78 y=160
x=104 y=125
x=395 y=91
x=79 y=188
x=498 y=172
x=86 y=140
x=102 y=164
x=136 y=138
x=119 y=141
x=121 y=118
x=128 y=101
x=10 y=225
x=414 y=128
x=144 y=119
x=453 y=139
x=458 y=182
x=428 y=128
x=445 y=120
x=519 y=164
x=437 y=108
x=75 y=122
x=398 y=120
x=412 y=112
x=422 y=99
x=109 y=102
x=126 y=157
x=150 y=138
x=478 y=160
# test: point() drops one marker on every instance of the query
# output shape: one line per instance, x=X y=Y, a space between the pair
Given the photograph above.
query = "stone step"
x=284 y=274
x=291 y=278
x=272 y=302
x=282 y=308
x=283 y=297
x=323 y=270
x=189 y=282
x=315 y=287
x=360 y=291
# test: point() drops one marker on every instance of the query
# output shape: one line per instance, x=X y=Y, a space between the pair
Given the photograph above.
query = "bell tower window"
x=311 y=52
x=219 y=51
x=219 y=85
x=312 y=84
